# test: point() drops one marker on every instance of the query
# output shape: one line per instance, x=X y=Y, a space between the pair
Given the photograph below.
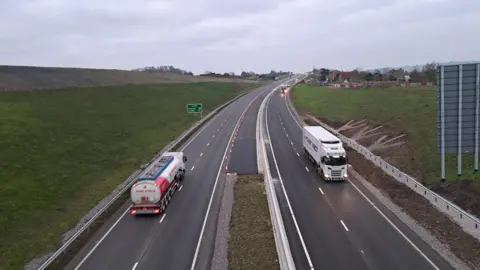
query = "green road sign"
x=194 y=108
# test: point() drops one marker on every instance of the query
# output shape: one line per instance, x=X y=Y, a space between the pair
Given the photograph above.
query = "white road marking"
x=285 y=193
x=135 y=266
x=192 y=168
x=298 y=154
x=201 y=154
x=208 y=144
x=395 y=227
x=218 y=129
x=163 y=217
x=291 y=143
x=126 y=211
x=101 y=239
x=375 y=207
x=180 y=188
x=213 y=136
x=344 y=226
x=321 y=190
x=286 y=134
x=306 y=169
x=216 y=181
x=198 y=133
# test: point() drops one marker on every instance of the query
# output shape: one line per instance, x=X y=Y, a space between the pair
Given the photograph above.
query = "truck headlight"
x=345 y=175
x=325 y=175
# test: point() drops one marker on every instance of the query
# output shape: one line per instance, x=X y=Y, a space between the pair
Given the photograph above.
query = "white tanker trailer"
x=154 y=188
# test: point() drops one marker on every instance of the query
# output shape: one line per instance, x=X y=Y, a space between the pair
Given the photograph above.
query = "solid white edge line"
x=101 y=240
x=344 y=226
x=135 y=266
x=163 y=217
x=395 y=227
x=283 y=188
x=204 y=127
x=216 y=181
x=118 y=220
x=321 y=190
x=378 y=210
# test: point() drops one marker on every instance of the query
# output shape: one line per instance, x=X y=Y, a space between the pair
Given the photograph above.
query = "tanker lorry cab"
x=326 y=152
x=155 y=186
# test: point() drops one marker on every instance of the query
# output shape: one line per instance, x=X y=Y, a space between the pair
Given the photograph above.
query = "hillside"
x=36 y=78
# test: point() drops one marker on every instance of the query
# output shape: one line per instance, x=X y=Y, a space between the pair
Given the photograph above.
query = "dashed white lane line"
x=344 y=226
x=201 y=154
x=180 y=188
x=192 y=168
x=208 y=144
x=218 y=129
x=135 y=266
x=287 y=134
x=213 y=136
x=298 y=154
x=321 y=191
x=291 y=143
x=307 y=169
x=163 y=217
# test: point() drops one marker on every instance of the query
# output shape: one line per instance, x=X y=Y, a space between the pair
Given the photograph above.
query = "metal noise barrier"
x=281 y=241
x=176 y=143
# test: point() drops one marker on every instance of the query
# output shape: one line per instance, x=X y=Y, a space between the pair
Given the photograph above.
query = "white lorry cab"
x=326 y=152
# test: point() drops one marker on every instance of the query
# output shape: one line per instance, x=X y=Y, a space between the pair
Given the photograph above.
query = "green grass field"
x=62 y=151
x=412 y=110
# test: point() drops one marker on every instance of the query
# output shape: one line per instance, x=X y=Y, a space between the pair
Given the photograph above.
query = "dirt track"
x=36 y=78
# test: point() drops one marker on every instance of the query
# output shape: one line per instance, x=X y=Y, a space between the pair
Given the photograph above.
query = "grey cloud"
x=234 y=35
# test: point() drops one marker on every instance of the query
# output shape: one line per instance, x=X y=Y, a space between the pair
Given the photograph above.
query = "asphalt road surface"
x=335 y=225
x=185 y=234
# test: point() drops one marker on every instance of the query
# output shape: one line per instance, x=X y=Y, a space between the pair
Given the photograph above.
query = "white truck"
x=326 y=152
x=154 y=188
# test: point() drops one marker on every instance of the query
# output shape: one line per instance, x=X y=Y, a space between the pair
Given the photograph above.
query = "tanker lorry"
x=326 y=152
x=155 y=186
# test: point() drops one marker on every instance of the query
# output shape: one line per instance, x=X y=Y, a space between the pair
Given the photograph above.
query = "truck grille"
x=336 y=173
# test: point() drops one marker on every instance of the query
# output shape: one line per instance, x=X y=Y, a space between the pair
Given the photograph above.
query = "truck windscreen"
x=337 y=161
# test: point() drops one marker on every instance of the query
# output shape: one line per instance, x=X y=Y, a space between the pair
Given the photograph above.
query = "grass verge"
x=411 y=111
x=251 y=244
x=63 y=151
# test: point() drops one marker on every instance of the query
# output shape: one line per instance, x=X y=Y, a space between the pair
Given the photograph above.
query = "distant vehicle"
x=326 y=152
x=155 y=186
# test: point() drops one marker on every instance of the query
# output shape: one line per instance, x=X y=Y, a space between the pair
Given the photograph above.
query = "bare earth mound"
x=251 y=244
x=36 y=78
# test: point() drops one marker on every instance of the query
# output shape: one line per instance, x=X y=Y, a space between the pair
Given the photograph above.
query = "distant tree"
x=369 y=76
x=430 y=71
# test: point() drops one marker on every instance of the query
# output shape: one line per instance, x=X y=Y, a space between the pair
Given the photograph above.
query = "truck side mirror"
x=184 y=158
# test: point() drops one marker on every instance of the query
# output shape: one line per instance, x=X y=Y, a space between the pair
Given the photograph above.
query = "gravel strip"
x=220 y=255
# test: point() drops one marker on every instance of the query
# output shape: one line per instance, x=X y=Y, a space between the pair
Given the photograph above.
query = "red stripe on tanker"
x=159 y=179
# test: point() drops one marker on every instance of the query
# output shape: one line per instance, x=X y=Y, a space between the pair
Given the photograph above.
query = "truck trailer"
x=155 y=186
x=326 y=152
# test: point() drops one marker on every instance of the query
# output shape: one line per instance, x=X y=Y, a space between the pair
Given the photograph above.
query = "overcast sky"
x=231 y=35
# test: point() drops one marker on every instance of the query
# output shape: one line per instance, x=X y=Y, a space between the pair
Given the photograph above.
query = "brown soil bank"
x=36 y=78
x=251 y=244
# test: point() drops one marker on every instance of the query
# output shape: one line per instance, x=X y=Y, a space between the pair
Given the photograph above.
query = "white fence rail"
x=178 y=142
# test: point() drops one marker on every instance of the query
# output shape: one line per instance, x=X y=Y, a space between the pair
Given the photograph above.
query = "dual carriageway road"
x=329 y=225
